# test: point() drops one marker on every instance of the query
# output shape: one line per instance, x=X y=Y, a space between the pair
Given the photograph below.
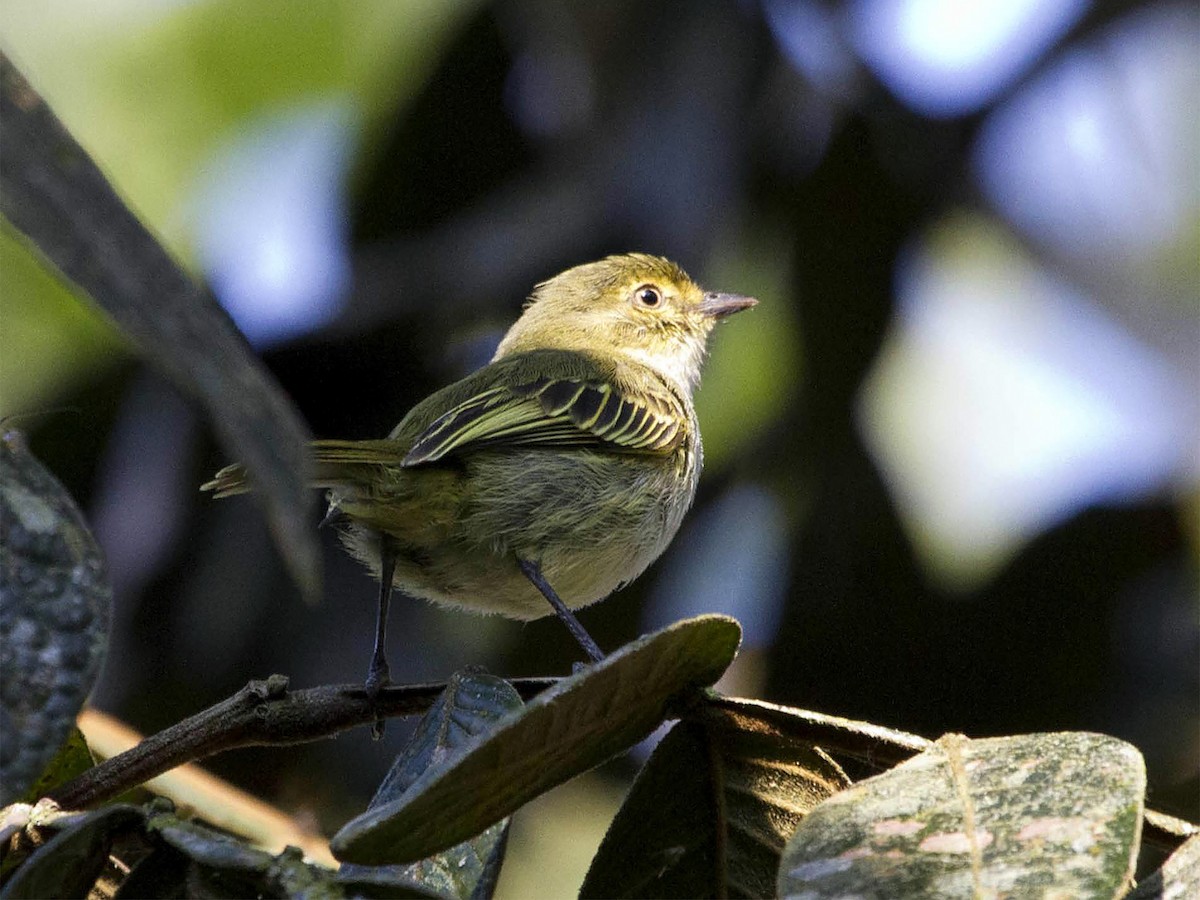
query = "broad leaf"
x=54 y=616
x=72 y=759
x=53 y=193
x=1015 y=816
x=1179 y=876
x=69 y=863
x=221 y=865
x=570 y=728
x=470 y=705
x=709 y=815
x=874 y=745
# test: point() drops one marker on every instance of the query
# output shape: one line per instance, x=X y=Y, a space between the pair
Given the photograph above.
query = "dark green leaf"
x=875 y=745
x=163 y=873
x=709 y=815
x=69 y=863
x=207 y=846
x=1178 y=878
x=470 y=705
x=26 y=828
x=54 y=616
x=225 y=866
x=73 y=758
x=383 y=883
x=53 y=193
x=575 y=725
x=1016 y=816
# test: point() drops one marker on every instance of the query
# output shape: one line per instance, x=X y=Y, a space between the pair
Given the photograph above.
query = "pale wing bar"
x=557 y=412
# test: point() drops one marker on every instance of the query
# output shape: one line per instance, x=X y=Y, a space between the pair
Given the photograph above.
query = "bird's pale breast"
x=593 y=521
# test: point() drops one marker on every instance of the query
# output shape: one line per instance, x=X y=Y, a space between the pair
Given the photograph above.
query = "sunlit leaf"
x=709 y=815
x=575 y=725
x=876 y=745
x=154 y=91
x=52 y=343
x=1014 y=816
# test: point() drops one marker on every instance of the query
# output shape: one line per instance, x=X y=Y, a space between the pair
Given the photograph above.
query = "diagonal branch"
x=263 y=713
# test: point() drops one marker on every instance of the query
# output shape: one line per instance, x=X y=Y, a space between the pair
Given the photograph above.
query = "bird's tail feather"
x=336 y=463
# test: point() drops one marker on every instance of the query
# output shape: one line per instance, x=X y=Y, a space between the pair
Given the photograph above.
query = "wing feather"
x=555 y=412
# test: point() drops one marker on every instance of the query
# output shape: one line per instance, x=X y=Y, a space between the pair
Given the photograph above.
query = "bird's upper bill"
x=718 y=306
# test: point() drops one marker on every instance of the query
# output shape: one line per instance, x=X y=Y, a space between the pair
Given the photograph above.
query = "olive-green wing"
x=555 y=412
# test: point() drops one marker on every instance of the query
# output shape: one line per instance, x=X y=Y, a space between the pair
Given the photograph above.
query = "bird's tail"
x=336 y=463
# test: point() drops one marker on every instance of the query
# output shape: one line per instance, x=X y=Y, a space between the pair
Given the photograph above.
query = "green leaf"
x=470 y=706
x=575 y=725
x=1179 y=876
x=54 y=616
x=154 y=97
x=1014 y=816
x=163 y=873
x=222 y=865
x=709 y=815
x=52 y=343
x=69 y=863
x=73 y=758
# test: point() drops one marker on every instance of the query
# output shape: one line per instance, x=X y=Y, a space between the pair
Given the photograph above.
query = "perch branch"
x=263 y=713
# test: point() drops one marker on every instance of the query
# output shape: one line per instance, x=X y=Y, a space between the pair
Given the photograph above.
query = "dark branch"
x=263 y=713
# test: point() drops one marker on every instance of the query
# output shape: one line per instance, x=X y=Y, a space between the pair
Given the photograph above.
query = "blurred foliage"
x=745 y=385
x=52 y=342
x=151 y=92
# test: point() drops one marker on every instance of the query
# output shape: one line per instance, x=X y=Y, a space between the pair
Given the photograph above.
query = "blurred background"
x=953 y=456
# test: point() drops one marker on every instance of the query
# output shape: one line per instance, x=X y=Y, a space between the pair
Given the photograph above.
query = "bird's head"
x=636 y=305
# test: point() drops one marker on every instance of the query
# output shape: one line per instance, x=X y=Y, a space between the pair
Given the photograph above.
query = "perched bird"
x=558 y=472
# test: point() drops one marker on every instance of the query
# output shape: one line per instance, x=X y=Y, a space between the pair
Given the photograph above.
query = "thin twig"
x=263 y=713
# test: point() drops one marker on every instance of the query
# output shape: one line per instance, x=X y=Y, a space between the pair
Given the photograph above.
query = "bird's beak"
x=718 y=306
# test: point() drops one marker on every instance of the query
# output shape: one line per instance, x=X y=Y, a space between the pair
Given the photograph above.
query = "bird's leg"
x=533 y=572
x=378 y=676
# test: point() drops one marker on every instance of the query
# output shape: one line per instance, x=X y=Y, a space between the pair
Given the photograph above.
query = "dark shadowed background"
x=952 y=456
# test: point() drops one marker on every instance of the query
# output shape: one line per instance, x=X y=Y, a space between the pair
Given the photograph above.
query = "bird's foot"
x=378 y=677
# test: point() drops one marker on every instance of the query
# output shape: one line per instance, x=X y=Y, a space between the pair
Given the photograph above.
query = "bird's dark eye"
x=648 y=295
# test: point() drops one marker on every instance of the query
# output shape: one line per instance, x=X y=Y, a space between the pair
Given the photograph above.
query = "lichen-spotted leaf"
x=54 y=616
x=1014 y=816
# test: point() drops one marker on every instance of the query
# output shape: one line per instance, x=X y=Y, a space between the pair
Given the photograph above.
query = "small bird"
x=548 y=478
